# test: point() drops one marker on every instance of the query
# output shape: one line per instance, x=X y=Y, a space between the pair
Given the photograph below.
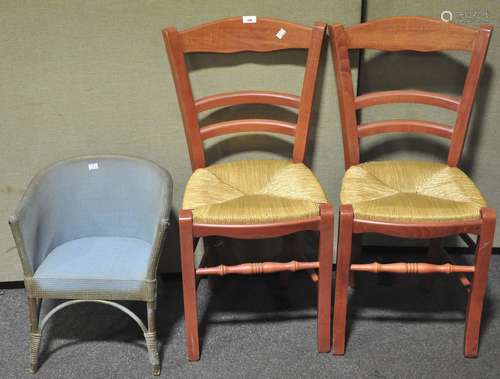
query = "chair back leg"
x=325 y=278
x=479 y=280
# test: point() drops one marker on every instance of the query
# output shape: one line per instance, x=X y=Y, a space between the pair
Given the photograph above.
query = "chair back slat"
x=405 y=126
x=248 y=125
x=407 y=96
x=247 y=97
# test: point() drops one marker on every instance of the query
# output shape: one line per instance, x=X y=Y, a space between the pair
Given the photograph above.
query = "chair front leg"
x=479 y=281
x=35 y=335
x=189 y=285
x=342 y=278
x=325 y=278
x=150 y=336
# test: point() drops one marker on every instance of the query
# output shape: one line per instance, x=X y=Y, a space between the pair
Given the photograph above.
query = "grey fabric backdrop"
x=90 y=77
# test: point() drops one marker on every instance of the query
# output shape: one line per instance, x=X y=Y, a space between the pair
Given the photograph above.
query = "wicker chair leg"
x=35 y=347
x=33 y=306
x=150 y=336
x=152 y=346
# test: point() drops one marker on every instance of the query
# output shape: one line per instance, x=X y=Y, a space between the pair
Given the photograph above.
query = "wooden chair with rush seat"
x=411 y=199
x=250 y=199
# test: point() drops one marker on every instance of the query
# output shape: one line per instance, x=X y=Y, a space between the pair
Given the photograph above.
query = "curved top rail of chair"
x=231 y=35
x=410 y=33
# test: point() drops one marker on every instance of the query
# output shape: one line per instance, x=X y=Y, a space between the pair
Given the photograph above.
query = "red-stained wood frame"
x=422 y=35
x=233 y=36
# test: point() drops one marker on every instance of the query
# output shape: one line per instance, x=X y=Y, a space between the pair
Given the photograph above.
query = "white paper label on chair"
x=281 y=33
x=93 y=166
x=249 y=19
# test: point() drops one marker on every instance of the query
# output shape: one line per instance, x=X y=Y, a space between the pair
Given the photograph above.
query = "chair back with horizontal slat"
x=419 y=34
x=233 y=35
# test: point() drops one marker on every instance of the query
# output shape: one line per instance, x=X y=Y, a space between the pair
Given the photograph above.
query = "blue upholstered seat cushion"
x=113 y=267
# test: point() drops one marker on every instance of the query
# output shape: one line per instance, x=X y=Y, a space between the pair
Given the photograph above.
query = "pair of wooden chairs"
x=254 y=199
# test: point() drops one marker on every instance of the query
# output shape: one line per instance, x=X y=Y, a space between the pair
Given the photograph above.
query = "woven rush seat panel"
x=253 y=192
x=410 y=191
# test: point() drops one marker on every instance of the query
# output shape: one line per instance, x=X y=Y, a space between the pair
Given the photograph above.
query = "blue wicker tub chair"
x=90 y=229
